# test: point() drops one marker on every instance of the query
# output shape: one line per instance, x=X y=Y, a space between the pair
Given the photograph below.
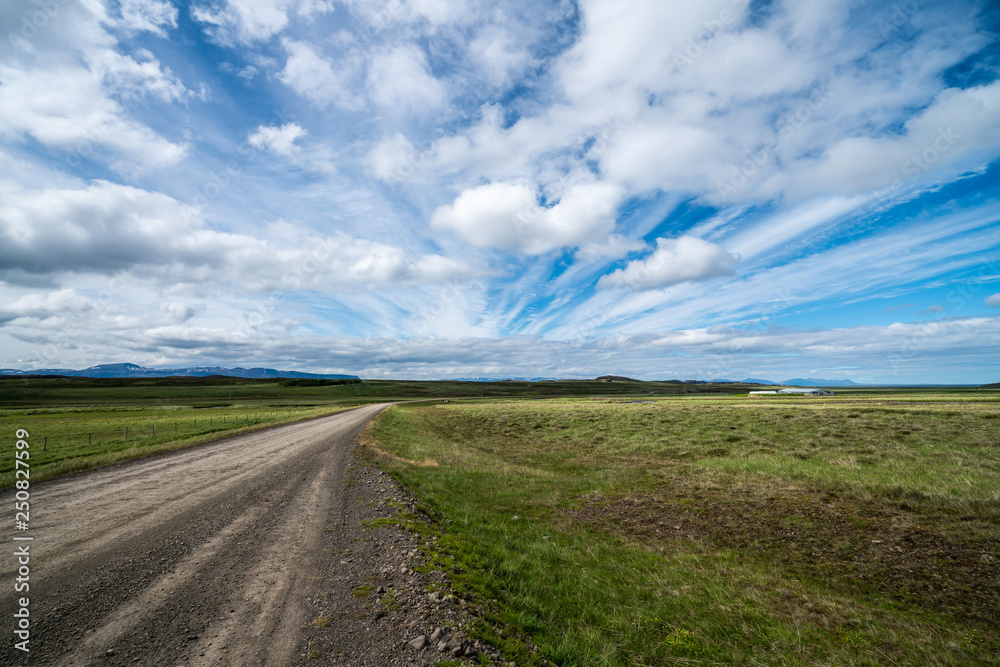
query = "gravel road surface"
x=245 y=551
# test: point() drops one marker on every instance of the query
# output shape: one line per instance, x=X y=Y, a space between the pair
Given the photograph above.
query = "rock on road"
x=195 y=557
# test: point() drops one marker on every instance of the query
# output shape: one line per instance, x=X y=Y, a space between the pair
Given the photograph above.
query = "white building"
x=811 y=391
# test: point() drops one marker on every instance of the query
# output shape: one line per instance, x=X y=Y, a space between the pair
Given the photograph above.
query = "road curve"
x=193 y=557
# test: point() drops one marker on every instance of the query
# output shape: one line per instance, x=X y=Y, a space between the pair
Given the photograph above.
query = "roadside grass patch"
x=613 y=533
x=66 y=440
x=321 y=621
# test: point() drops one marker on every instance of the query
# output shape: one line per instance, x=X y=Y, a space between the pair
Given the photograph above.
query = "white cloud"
x=663 y=156
x=508 y=216
x=401 y=80
x=108 y=228
x=498 y=55
x=147 y=15
x=248 y=21
x=35 y=306
x=686 y=98
x=280 y=139
x=394 y=158
x=387 y=14
x=674 y=261
x=780 y=230
x=439 y=12
x=992 y=300
x=956 y=131
x=613 y=247
x=924 y=352
x=74 y=99
x=314 y=76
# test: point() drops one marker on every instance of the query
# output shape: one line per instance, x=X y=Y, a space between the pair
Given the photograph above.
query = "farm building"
x=811 y=391
x=807 y=391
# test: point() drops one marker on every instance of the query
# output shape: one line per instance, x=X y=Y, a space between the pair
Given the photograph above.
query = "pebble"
x=436 y=635
x=418 y=643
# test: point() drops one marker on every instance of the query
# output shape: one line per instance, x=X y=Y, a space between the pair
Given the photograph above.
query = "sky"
x=459 y=188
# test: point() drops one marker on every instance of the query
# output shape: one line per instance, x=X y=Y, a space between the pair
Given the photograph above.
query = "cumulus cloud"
x=993 y=300
x=674 y=261
x=74 y=100
x=106 y=228
x=955 y=131
x=147 y=15
x=36 y=306
x=707 y=100
x=498 y=55
x=248 y=21
x=400 y=79
x=314 y=76
x=280 y=139
x=393 y=158
x=508 y=216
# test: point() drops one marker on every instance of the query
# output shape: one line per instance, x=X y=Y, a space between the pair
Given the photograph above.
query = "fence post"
x=88 y=438
x=126 y=432
x=45 y=443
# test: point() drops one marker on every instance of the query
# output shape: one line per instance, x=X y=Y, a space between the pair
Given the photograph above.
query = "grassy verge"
x=708 y=530
x=65 y=440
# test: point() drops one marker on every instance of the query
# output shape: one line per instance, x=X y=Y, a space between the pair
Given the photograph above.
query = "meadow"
x=861 y=529
x=65 y=440
x=80 y=423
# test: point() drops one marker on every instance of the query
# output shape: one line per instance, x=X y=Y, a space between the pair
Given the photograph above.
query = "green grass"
x=64 y=440
x=56 y=391
x=860 y=530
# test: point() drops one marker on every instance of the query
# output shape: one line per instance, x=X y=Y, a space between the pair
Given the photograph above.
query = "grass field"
x=862 y=529
x=80 y=423
x=214 y=391
x=65 y=440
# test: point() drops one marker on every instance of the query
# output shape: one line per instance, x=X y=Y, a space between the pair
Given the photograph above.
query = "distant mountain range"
x=134 y=371
x=801 y=382
x=818 y=382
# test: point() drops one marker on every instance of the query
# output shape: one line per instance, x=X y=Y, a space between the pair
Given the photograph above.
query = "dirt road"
x=198 y=557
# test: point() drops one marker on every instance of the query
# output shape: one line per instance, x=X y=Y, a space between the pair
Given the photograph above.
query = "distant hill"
x=617 y=378
x=818 y=382
x=758 y=381
x=995 y=385
x=135 y=371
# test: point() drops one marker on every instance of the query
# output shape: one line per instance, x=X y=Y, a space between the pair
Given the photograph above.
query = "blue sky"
x=449 y=188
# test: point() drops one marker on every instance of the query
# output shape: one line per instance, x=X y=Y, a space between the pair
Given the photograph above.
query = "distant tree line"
x=315 y=382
